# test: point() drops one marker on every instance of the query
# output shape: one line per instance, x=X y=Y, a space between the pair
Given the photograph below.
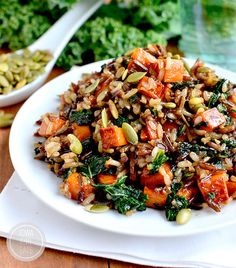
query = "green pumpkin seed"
x=169 y=105
x=135 y=77
x=6 y=119
x=113 y=109
x=75 y=144
x=3 y=81
x=97 y=208
x=124 y=74
x=8 y=89
x=92 y=87
x=21 y=83
x=102 y=95
x=130 y=134
x=4 y=67
x=104 y=118
x=183 y=216
x=9 y=76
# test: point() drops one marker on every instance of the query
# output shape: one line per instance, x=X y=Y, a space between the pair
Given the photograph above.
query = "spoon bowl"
x=54 y=40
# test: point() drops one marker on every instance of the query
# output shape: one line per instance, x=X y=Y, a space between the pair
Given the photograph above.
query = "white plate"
x=44 y=183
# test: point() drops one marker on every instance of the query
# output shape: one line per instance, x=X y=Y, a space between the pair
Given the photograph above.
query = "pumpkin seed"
x=102 y=95
x=104 y=118
x=75 y=144
x=130 y=133
x=18 y=70
x=119 y=72
x=113 y=109
x=183 y=216
x=196 y=101
x=124 y=74
x=97 y=208
x=6 y=119
x=4 y=67
x=135 y=77
x=21 y=83
x=92 y=87
x=3 y=81
x=100 y=149
x=169 y=105
x=9 y=76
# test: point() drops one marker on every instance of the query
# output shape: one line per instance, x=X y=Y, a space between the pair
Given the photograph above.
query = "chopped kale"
x=217 y=90
x=223 y=109
x=185 y=148
x=211 y=195
x=124 y=197
x=82 y=117
x=87 y=144
x=133 y=99
x=175 y=203
x=120 y=120
x=160 y=159
x=230 y=143
x=93 y=165
x=181 y=130
x=181 y=85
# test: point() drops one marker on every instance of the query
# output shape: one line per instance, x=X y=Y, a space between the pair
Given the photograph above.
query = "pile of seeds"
x=18 y=70
x=6 y=119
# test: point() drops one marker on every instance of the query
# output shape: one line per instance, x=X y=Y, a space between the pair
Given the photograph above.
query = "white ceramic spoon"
x=54 y=40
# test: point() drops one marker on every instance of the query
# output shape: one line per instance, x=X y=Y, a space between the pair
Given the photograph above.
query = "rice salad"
x=145 y=131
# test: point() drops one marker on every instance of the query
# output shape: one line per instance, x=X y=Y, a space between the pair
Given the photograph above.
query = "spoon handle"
x=56 y=38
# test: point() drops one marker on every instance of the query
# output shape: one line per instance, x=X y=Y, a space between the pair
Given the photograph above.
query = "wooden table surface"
x=50 y=257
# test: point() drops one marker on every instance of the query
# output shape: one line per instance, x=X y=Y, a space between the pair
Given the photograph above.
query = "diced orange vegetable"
x=233 y=112
x=142 y=56
x=161 y=178
x=168 y=126
x=106 y=179
x=151 y=131
x=112 y=137
x=174 y=70
x=232 y=97
x=156 y=197
x=214 y=189
x=81 y=132
x=189 y=192
x=212 y=117
x=150 y=88
x=74 y=182
x=231 y=186
x=144 y=135
x=50 y=125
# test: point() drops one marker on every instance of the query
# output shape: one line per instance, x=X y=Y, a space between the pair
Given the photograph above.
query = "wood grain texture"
x=50 y=258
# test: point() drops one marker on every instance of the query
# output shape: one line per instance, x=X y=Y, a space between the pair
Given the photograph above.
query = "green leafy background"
x=113 y=29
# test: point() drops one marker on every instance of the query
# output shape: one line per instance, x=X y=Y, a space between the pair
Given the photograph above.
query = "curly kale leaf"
x=114 y=39
x=93 y=166
x=174 y=202
x=217 y=90
x=124 y=197
x=120 y=120
x=82 y=117
x=160 y=159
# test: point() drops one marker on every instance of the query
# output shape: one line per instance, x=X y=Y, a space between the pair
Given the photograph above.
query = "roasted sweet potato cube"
x=106 y=179
x=214 y=189
x=212 y=117
x=189 y=192
x=231 y=186
x=156 y=197
x=81 y=132
x=112 y=137
x=150 y=88
x=174 y=70
x=163 y=177
x=74 y=182
x=142 y=56
x=50 y=125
